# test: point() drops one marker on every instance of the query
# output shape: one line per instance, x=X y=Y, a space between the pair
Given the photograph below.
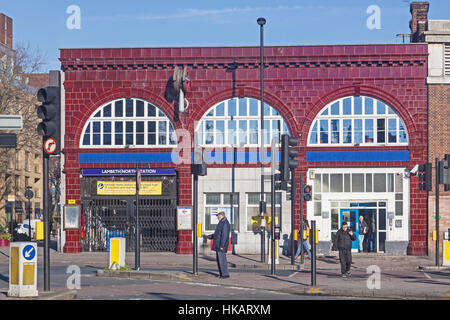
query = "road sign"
x=29 y=252
x=29 y=194
x=50 y=145
x=8 y=140
x=11 y=122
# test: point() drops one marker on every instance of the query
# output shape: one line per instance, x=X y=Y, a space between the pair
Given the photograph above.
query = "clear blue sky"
x=151 y=23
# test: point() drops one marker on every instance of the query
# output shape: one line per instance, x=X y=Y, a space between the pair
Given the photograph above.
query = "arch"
x=128 y=122
x=114 y=94
x=357 y=90
x=236 y=121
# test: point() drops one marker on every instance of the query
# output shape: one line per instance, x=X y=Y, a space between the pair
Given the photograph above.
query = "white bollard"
x=22 y=269
x=117 y=251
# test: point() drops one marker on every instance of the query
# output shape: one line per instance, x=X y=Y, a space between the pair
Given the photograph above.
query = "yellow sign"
x=116 y=188
x=72 y=201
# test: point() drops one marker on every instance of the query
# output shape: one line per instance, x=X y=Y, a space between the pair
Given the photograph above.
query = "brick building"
x=436 y=34
x=360 y=112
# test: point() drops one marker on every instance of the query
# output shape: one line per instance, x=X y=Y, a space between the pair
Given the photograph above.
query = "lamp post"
x=262 y=204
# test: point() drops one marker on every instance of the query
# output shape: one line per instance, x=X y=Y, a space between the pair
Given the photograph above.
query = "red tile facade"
x=298 y=81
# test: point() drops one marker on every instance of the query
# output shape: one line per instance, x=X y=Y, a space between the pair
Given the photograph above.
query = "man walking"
x=343 y=243
x=220 y=244
x=363 y=230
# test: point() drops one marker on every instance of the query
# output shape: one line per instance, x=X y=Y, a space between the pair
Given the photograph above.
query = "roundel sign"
x=50 y=145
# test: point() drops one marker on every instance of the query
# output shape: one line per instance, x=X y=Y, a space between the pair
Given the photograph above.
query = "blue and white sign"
x=131 y=171
x=29 y=252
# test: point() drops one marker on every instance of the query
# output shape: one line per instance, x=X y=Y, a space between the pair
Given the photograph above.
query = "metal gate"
x=104 y=217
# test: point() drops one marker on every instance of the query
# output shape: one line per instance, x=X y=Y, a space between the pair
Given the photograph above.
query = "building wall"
x=299 y=82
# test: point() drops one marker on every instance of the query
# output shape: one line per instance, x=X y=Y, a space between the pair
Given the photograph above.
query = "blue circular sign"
x=29 y=252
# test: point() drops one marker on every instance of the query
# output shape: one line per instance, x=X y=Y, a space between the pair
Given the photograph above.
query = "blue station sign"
x=129 y=171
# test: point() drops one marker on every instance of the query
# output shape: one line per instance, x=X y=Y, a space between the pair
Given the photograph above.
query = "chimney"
x=419 y=18
x=6 y=35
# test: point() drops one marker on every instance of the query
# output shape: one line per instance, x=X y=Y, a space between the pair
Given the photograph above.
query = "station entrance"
x=113 y=213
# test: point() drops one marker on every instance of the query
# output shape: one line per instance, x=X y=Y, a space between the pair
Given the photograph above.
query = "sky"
x=48 y=25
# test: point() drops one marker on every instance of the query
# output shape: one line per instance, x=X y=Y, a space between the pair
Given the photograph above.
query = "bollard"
x=117 y=251
x=22 y=269
x=313 y=253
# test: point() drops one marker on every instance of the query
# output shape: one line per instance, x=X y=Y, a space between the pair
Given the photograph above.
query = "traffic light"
x=307 y=193
x=425 y=177
x=50 y=113
x=288 y=153
x=444 y=172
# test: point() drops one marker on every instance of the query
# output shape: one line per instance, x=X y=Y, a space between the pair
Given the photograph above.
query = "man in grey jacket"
x=220 y=244
x=363 y=230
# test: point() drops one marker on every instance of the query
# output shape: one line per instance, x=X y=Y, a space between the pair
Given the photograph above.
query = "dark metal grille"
x=108 y=216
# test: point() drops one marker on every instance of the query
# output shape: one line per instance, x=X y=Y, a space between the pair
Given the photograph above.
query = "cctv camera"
x=415 y=169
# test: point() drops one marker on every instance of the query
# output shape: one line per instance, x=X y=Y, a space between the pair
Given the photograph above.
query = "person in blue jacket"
x=220 y=244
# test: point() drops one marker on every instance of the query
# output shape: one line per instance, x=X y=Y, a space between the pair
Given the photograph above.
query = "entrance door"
x=351 y=217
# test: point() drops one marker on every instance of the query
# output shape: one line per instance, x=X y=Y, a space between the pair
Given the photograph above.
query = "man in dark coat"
x=220 y=244
x=343 y=243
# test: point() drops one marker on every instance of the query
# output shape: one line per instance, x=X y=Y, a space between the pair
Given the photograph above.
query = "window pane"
x=381 y=108
x=313 y=136
x=129 y=108
x=390 y=182
x=253 y=107
x=118 y=106
x=317 y=183
x=392 y=130
x=220 y=110
x=323 y=131
x=220 y=132
x=325 y=183
x=335 y=109
x=242 y=107
x=267 y=109
x=368 y=182
x=357 y=182
x=209 y=132
x=336 y=182
x=162 y=128
x=346 y=182
x=213 y=198
x=172 y=135
x=151 y=110
x=347 y=106
x=369 y=130
x=358 y=133
x=118 y=128
x=357 y=101
x=324 y=112
x=107 y=111
x=402 y=132
x=107 y=133
x=398 y=183
x=379 y=182
x=368 y=107
x=398 y=208
x=242 y=131
x=139 y=108
x=347 y=127
x=382 y=219
x=232 y=132
x=317 y=208
x=253 y=131
x=335 y=131
x=266 y=131
x=140 y=132
x=232 y=107
x=129 y=139
x=381 y=131
x=253 y=198
x=276 y=129
x=87 y=136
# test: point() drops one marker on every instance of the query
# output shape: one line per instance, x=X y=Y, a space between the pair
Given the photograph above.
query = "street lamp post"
x=262 y=204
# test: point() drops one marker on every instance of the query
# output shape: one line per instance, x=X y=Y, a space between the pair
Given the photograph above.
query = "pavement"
x=374 y=275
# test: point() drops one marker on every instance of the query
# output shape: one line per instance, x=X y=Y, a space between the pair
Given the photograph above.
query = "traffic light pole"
x=137 y=253
x=46 y=223
x=437 y=212
x=293 y=200
x=272 y=212
x=301 y=220
x=194 y=227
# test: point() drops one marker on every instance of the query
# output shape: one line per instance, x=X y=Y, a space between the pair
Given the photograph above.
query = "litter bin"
x=22 y=269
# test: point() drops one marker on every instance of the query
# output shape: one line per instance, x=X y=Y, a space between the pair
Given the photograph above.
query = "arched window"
x=128 y=122
x=236 y=122
x=357 y=120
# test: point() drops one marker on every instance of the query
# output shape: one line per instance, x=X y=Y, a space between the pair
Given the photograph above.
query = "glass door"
x=351 y=217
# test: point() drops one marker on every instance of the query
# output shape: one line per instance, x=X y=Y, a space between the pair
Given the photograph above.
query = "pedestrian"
x=306 y=230
x=363 y=229
x=220 y=244
x=343 y=243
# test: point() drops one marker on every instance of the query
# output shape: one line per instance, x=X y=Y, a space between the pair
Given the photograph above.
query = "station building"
x=359 y=111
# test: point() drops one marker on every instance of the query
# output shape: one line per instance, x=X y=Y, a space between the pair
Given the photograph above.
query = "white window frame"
x=274 y=114
x=390 y=113
x=159 y=117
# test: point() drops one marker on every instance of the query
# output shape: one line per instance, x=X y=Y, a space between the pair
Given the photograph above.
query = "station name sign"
x=128 y=172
